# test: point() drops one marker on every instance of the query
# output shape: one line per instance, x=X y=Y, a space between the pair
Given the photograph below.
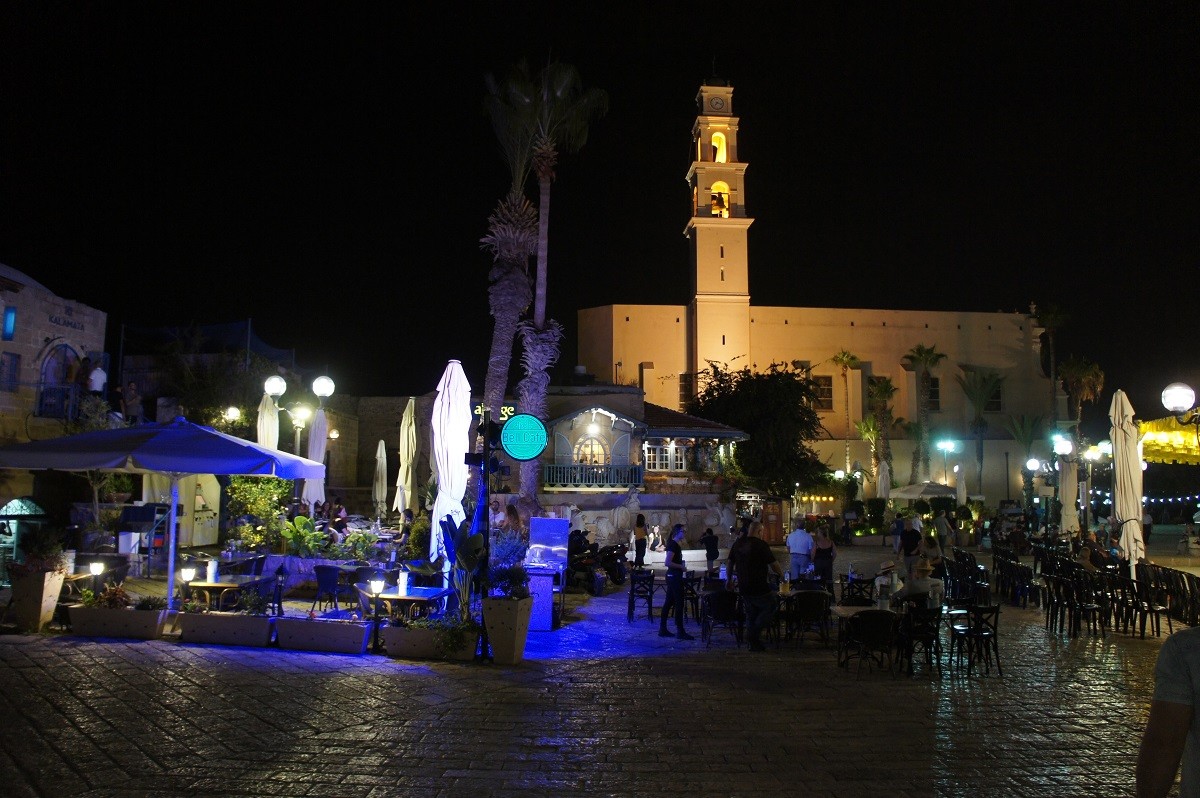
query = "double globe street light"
x=299 y=413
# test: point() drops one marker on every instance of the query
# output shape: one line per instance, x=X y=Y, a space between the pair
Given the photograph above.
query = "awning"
x=1165 y=440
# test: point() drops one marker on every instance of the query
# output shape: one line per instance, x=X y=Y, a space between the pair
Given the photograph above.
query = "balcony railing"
x=575 y=477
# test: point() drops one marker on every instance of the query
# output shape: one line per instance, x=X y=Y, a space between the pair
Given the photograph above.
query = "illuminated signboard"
x=523 y=437
x=506 y=412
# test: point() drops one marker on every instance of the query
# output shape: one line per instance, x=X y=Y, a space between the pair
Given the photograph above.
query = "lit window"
x=10 y=323
x=591 y=451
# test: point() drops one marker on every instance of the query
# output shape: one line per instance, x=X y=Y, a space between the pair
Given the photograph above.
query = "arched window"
x=591 y=451
x=719 y=153
x=720 y=199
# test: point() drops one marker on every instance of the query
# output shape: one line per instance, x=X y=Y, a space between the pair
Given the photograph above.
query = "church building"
x=662 y=348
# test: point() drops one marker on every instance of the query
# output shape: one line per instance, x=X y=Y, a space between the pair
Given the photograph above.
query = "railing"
x=577 y=477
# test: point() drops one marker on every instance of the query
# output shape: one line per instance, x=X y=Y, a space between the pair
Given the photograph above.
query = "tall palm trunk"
x=510 y=237
x=540 y=355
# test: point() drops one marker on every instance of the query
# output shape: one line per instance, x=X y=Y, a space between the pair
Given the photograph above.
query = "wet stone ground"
x=600 y=706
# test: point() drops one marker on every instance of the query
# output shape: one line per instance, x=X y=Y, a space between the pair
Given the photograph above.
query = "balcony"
x=577 y=478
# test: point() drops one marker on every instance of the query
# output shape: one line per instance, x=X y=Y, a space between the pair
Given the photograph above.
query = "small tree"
x=776 y=409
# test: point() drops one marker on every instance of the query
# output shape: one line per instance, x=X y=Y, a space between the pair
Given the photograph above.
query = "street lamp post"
x=946 y=447
x=377 y=586
x=1032 y=466
x=1180 y=399
x=299 y=413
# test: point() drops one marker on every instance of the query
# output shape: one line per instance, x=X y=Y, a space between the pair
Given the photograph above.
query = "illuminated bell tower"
x=719 y=314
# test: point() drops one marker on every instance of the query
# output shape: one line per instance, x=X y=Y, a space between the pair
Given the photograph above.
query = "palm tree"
x=561 y=112
x=912 y=430
x=846 y=361
x=1025 y=430
x=512 y=231
x=1052 y=320
x=980 y=387
x=868 y=430
x=923 y=359
x=1084 y=382
x=880 y=391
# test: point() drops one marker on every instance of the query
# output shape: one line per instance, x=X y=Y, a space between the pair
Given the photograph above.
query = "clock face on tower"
x=716 y=103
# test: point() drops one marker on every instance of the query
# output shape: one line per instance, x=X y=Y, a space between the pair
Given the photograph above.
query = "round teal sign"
x=523 y=437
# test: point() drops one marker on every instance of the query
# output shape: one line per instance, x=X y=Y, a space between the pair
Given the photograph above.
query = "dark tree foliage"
x=775 y=408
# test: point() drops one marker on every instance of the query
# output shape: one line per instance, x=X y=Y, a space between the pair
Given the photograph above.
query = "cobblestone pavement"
x=599 y=707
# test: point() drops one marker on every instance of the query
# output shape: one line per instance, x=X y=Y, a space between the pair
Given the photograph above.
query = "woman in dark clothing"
x=824 y=553
x=639 y=541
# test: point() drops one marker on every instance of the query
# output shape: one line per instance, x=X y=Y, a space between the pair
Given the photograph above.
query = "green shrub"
x=151 y=603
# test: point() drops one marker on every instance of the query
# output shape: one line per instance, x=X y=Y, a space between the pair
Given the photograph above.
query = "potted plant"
x=114 y=612
x=508 y=603
x=118 y=487
x=323 y=634
x=455 y=634
x=38 y=579
x=252 y=625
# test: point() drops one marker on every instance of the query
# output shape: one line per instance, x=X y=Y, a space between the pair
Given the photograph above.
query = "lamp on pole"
x=1032 y=466
x=946 y=447
x=299 y=413
x=1180 y=399
x=1090 y=456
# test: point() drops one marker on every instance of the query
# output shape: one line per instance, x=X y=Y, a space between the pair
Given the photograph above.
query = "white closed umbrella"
x=379 y=486
x=406 y=491
x=883 y=482
x=960 y=487
x=451 y=441
x=314 y=489
x=1127 y=477
x=1068 y=494
x=268 y=423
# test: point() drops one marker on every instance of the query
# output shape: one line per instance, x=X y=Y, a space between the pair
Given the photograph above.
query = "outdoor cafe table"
x=225 y=584
x=844 y=614
x=414 y=602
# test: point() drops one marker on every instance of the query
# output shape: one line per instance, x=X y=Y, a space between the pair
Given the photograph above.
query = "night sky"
x=326 y=170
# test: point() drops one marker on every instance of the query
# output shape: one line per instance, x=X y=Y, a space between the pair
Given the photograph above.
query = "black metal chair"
x=978 y=639
x=720 y=608
x=329 y=586
x=806 y=611
x=871 y=638
x=641 y=587
x=856 y=592
x=921 y=633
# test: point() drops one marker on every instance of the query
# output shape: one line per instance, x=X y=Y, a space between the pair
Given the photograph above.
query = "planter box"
x=507 y=622
x=310 y=635
x=411 y=643
x=104 y=622
x=225 y=628
x=34 y=598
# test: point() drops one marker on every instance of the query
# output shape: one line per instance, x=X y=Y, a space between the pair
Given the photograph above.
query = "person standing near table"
x=910 y=546
x=640 y=537
x=823 y=554
x=712 y=548
x=799 y=546
x=676 y=572
x=1171 y=731
x=749 y=560
x=496 y=519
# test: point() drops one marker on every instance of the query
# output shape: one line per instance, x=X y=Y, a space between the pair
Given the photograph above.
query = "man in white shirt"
x=97 y=379
x=800 y=546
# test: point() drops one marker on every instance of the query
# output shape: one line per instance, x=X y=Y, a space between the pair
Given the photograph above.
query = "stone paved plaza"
x=599 y=707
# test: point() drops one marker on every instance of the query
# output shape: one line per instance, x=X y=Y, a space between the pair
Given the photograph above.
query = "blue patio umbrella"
x=176 y=449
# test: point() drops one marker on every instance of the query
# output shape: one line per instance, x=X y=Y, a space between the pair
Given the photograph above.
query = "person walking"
x=750 y=559
x=942 y=525
x=799 y=546
x=676 y=572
